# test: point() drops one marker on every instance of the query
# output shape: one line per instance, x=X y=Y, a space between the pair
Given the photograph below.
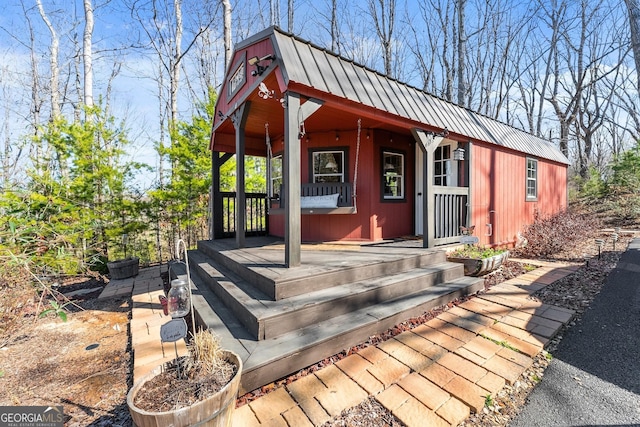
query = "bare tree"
x=226 y=10
x=436 y=56
x=325 y=18
x=53 y=62
x=87 y=55
x=333 y=25
x=274 y=7
x=383 y=14
x=461 y=50
x=290 y=10
x=36 y=99
x=633 y=6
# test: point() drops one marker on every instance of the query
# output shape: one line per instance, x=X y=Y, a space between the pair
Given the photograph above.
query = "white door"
x=446 y=174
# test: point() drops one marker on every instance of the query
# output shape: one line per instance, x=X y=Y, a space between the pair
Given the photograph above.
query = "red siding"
x=499 y=192
x=375 y=220
x=259 y=49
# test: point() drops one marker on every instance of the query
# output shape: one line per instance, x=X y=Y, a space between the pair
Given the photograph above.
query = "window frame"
x=384 y=197
x=446 y=168
x=344 y=174
x=531 y=179
x=238 y=78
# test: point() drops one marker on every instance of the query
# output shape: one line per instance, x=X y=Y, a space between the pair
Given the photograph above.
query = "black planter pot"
x=124 y=268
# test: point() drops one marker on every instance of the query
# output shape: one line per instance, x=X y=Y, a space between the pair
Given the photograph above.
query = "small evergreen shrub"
x=549 y=235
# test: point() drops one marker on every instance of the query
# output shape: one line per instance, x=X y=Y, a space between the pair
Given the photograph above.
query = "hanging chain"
x=267 y=139
x=355 y=173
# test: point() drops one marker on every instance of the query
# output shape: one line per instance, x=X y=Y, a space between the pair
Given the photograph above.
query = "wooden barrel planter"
x=481 y=266
x=214 y=411
x=124 y=268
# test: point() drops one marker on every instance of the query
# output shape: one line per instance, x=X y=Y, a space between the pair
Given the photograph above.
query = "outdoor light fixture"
x=443 y=133
x=255 y=61
x=458 y=154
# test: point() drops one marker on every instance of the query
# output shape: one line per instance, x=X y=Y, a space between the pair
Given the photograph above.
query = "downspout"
x=469 y=179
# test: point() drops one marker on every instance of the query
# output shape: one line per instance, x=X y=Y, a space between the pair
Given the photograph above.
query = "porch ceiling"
x=335 y=115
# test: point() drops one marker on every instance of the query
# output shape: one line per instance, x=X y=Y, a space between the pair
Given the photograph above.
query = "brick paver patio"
x=436 y=374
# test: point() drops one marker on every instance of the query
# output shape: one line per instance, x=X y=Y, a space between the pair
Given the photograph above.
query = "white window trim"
x=449 y=167
x=341 y=154
x=533 y=179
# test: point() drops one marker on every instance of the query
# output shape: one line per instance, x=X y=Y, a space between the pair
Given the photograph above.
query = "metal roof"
x=309 y=65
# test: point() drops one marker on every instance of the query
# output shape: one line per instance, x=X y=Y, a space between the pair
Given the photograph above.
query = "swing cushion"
x=326 y=201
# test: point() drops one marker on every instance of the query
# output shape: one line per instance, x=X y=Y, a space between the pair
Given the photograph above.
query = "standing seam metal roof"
x=310 y=65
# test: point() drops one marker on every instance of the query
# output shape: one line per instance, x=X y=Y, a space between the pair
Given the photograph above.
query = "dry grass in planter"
x=188 y=379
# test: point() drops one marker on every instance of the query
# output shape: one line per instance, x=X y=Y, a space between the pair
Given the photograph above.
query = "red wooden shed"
x=354 y=155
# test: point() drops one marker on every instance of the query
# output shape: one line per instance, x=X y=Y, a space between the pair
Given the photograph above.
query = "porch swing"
x=321 y=198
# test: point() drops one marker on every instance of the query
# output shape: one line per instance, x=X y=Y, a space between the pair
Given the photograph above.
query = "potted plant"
x=126 y=267
x=199 y=388
x=477 y=260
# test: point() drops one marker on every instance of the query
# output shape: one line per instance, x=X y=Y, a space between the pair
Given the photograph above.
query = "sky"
x=134 y=92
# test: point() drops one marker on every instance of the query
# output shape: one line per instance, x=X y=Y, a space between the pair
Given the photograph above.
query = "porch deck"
x=280 y=319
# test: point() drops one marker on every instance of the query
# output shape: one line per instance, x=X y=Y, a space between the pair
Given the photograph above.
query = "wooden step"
x=266 y=319
x=265 y=269
x=270 y=359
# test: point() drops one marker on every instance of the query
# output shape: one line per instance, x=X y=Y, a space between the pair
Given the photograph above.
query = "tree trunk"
x=383 y=14
x=461 y=50
x=335 y=34
x=274 y=6
x=226 y=6
x=53 y=63
x=175 y=64
x=36 y=100
x=290 y=9
x=633 y=6
x=87 y=55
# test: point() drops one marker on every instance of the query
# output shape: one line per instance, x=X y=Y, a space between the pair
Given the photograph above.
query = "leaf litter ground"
x=85 y=364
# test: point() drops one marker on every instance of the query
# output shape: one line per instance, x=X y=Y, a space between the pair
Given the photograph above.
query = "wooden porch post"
x=215 y=200
x=217 y=217
x=428 y=143
x=239 y=119
x=295 y=113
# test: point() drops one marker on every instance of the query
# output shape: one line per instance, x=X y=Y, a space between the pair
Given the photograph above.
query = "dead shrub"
x=549 y=235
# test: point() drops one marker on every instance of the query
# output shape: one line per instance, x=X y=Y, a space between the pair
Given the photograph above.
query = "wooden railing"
x=451 y=210
x=256 y=215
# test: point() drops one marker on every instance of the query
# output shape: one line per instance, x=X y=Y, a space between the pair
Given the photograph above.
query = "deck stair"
x=281 y=320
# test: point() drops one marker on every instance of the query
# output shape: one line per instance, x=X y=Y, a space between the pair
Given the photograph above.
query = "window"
x=238 y=78
x=392 y=175
x=276 y=176
x=328 y=166
x=442 y=166
x=532 y=179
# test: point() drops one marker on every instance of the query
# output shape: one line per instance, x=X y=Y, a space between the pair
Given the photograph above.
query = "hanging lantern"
x=178 y=298
x=458 y=154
